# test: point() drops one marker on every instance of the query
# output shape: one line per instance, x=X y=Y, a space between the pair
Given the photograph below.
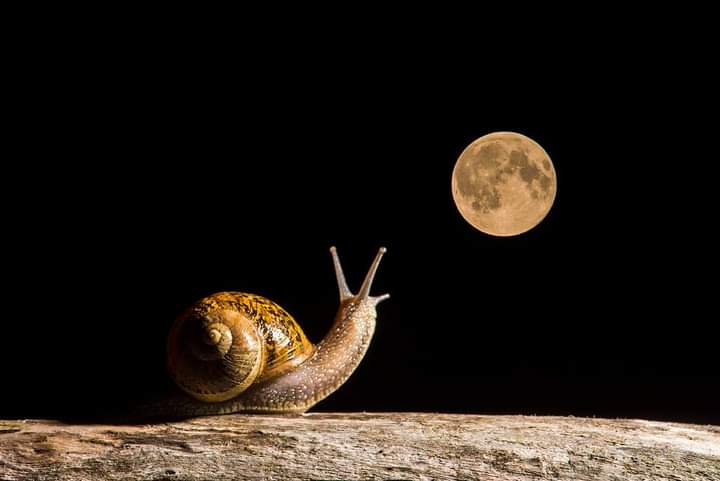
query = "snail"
x=238 y=352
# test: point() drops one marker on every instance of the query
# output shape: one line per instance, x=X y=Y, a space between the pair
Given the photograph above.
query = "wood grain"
x=409 y=446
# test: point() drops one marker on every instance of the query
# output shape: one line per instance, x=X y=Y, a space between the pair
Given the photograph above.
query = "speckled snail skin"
x=236 y=352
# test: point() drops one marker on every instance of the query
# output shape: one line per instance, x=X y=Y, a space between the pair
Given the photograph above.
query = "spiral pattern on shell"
x=214 y=353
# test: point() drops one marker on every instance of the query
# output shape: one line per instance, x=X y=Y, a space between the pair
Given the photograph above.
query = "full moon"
x=504 y=184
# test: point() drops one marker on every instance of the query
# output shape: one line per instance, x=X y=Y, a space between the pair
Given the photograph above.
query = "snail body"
x=240 y=352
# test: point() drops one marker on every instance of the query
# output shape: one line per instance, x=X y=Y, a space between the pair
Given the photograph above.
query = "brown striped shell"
x=227 y=341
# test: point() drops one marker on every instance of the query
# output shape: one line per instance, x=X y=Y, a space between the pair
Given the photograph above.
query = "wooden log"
x=400 y=446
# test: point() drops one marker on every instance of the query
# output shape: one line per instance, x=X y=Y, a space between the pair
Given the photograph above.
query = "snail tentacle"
x=345 y=292
x=364 y=292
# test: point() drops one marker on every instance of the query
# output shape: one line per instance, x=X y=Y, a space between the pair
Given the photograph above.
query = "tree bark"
x=362 y=446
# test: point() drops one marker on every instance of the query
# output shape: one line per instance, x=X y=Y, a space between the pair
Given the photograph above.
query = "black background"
x=145 y=176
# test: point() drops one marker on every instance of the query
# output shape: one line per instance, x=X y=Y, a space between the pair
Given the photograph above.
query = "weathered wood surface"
x=407 y=446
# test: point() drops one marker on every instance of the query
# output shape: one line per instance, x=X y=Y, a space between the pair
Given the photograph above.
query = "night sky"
x=141 y=189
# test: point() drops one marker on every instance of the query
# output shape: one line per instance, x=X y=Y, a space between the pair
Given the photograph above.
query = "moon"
x=504 y=184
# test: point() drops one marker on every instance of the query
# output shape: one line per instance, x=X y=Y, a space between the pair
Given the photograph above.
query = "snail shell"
x=229 y=340
x=239 y=352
